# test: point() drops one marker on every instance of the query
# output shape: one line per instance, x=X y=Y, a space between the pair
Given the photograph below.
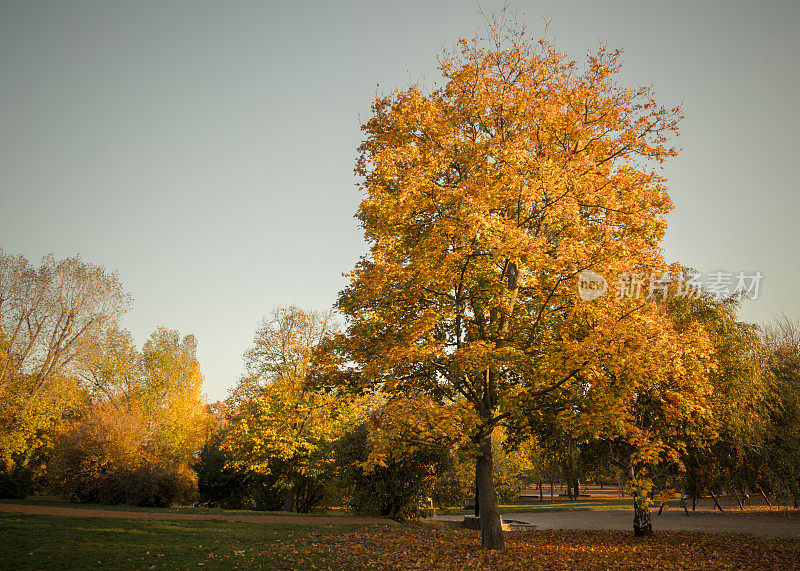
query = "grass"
x=554 y=506
x=54 y=542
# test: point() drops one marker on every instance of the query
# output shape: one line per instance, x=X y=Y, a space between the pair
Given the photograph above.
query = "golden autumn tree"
x=137 y=438
x=645 y=405
x=484 y=200
x=52 y=316
x=172 y=397
x=282 y=424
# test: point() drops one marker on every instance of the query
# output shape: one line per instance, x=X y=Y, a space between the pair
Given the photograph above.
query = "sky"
x=205 y=150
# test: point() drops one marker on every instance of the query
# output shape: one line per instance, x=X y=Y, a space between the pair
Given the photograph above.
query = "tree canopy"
x=484 y=200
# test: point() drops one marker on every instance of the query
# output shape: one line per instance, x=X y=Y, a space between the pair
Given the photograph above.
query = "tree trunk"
x=288 y=500
x=577 y=485
x=716 y=503
x=683 y=503
x=491 y=525
x=766 y=499
x=642 y=523
x=477 y=494
x=541 y=492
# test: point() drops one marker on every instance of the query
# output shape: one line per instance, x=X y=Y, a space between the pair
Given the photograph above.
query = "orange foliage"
x=430 y=548
x=485 y=199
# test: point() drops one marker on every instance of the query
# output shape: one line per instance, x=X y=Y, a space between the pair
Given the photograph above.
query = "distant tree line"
x=83 y=412
x=86 y=414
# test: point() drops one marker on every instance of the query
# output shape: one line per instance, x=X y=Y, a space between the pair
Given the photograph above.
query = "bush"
x=12 y=487
x=449 y=490
x=149 y=486
x=100 y=458
x=98 y=488
x=233 y=489
x=145 y=486
x=397 y=490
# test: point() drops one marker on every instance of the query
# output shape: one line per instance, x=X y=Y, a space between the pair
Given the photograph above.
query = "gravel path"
x=759 y=523
x=293 y=519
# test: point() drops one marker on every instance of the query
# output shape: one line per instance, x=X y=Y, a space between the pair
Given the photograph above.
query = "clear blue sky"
x=205 y=149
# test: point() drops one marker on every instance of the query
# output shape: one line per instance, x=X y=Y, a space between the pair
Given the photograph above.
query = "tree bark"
x=491 y=525
x=288 y=500
x=716 y=503
x=683 y=503
x=642 y=522
x=477 y=494
x=766 y=499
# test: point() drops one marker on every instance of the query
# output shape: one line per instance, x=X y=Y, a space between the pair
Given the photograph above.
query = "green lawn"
x=536 y=506
x=39 y=542
x=53 y=542
x=555 y=506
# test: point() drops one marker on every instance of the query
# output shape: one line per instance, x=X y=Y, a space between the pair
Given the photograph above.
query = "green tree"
x=398 y=486
x=740 y=380
x=781 y=450
x=221 y=484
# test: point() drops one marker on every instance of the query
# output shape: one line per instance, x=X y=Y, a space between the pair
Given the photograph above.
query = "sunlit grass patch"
x=37 y=542
x=558 y=505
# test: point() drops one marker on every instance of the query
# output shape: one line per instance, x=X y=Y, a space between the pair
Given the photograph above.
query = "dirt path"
x=758 y=523
x=292 y=519
x=755 y=523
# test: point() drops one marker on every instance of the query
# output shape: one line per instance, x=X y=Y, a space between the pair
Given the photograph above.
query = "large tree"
x=739 y=400
x=485 y=198
x=781 y=452
x=282 y=424
x=52 y=317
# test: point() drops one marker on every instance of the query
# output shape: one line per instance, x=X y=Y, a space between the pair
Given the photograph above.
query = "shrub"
x=100 y=458
x=398 y=489
x=155 y=486
x=231 y=488
x=12 y=487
